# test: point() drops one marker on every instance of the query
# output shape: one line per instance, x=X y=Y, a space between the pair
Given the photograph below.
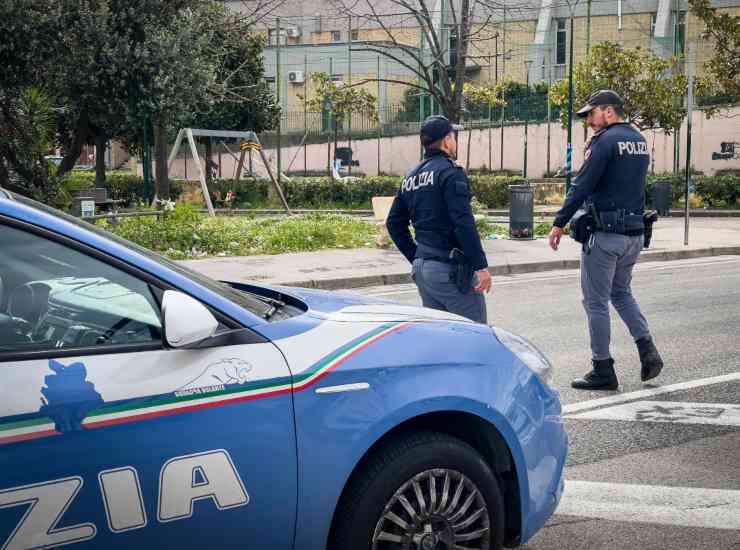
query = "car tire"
x=467 y=506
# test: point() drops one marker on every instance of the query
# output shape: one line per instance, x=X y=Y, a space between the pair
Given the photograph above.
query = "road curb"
x=345 y=283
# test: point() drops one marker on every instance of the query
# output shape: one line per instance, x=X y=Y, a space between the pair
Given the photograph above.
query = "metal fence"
x=402 y=119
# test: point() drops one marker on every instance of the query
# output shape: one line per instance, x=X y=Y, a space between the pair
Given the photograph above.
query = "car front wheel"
x=423 y=491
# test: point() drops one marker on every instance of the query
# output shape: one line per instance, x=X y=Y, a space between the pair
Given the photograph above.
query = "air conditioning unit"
x=296 y=77
x=293 y=32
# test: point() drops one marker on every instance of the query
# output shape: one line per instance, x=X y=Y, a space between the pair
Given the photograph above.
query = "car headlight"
x=527 y=354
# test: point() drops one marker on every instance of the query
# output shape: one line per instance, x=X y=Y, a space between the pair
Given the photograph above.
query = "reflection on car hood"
x=352 y=307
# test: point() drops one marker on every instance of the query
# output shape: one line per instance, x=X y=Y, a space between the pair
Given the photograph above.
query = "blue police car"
x=146 y=406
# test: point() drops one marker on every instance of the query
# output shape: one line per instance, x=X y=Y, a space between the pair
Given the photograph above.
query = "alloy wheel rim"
x=438 y=509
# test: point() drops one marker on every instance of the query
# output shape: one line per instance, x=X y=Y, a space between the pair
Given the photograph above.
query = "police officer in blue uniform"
x=435 y=198
x=612 y=178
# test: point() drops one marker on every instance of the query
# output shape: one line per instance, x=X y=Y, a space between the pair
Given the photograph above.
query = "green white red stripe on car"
x=145 y=407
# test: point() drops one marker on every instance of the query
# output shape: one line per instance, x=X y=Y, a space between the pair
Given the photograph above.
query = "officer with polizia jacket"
x=449 y=265
x=611 y=183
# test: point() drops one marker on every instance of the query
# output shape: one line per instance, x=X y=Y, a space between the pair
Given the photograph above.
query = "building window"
x=680 y=31
x=272 y=34
x=560 y=41
x=336 y=36
x=653 y=21
x=355 y=35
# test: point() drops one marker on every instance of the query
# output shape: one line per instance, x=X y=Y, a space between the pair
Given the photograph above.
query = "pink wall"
x=398 y=154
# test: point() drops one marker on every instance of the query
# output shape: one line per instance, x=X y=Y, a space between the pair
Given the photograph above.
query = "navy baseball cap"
x=600 y=99
x=436 y=127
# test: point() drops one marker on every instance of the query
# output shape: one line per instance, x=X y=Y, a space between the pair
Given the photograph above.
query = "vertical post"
x=349 y=83
x=689 y=111
x=305 y=112
x=421 y=94
x=503 y=75
x=380 y=120
x=278 y=84
x=588 y=27
x=328 y=126
x=677 y=133
x=569 y=150
x=146 y=160
x=549 y=112
x=527 y=64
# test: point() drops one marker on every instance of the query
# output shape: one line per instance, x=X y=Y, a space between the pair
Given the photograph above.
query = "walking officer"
x=448 y=262
x=612 y=179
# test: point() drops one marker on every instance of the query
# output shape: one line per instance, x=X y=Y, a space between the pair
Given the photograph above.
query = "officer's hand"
x=554 y=237
x=484 y=281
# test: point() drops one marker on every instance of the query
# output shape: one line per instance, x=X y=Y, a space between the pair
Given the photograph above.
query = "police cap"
x=437 y=127
x=600 y=99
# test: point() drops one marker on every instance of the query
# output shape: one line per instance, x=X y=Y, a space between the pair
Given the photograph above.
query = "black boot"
x=650 y=359
x=602 y=377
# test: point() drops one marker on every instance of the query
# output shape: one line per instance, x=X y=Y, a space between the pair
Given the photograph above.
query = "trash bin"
x=521 y=211
x=663 y=197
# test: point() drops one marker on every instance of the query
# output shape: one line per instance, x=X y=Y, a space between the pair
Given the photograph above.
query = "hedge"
x=123 y=186
x=322 y=192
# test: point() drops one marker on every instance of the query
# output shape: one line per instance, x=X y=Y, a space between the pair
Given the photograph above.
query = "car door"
x=111 y=439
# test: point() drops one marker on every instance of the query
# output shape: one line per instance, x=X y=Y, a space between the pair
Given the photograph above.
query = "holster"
x=462 y=271
x=649 y=218
x=584 y=223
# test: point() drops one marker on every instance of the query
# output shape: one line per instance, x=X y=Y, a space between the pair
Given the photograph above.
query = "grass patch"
x=185 y=233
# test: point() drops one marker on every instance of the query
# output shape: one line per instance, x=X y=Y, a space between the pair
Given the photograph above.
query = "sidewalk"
x=335 y=269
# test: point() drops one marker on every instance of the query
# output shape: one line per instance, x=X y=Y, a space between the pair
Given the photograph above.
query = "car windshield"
x=247 y=301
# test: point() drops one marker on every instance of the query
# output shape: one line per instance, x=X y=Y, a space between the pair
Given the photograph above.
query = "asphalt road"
x=657 y=466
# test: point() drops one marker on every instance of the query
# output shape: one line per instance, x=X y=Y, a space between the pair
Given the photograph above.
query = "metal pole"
x=380 y=120
x=527 y=64
x=677 y=134
x=569 y=150
x=495 y=83
x=349 y=83
x=421 y=94
x=549 y=113
x=503 y=75
x=305 y=112
x=277 y=97
x=689 y=111
x=490 y=118
x=588 y=27
x=328 y=128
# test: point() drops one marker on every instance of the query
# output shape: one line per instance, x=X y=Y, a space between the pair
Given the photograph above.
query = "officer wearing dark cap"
x=434 y=197
x=612 y=178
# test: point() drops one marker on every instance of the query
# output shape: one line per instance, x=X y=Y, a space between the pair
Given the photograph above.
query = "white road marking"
x=681 y=506
x=643 y=394
x=668 y=412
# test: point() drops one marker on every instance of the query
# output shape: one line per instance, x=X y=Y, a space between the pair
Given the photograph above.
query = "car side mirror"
x=186 y=320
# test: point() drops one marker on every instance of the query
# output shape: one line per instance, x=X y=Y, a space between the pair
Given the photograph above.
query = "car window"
x=56 y=297
x=243 y=299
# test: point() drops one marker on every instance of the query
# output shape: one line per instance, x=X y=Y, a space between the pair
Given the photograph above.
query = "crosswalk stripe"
x=668 y=412
x=643 y=394
x=681 y=506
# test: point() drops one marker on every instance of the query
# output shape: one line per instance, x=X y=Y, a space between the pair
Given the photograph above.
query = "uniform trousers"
x=438 y=290
x=606 y=275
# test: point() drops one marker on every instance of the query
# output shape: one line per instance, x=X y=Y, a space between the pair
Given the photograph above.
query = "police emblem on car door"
x=109 y=436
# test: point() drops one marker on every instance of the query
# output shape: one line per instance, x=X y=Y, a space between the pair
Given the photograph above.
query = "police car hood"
x=350 y=307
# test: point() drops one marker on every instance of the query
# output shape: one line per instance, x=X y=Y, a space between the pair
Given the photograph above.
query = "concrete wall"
x=397 y=154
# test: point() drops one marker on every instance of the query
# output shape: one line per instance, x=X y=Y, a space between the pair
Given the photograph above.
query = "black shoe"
x=602 y=377
x=650 y=359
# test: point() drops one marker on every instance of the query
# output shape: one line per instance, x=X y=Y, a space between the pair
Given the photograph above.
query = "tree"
x=340 y=100
x=240 y=97
x=645 y=82
x=724 y=31
x=440 y=67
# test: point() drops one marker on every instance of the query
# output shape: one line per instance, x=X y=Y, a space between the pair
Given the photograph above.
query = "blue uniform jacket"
x=435 y=198
x=613 y=174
